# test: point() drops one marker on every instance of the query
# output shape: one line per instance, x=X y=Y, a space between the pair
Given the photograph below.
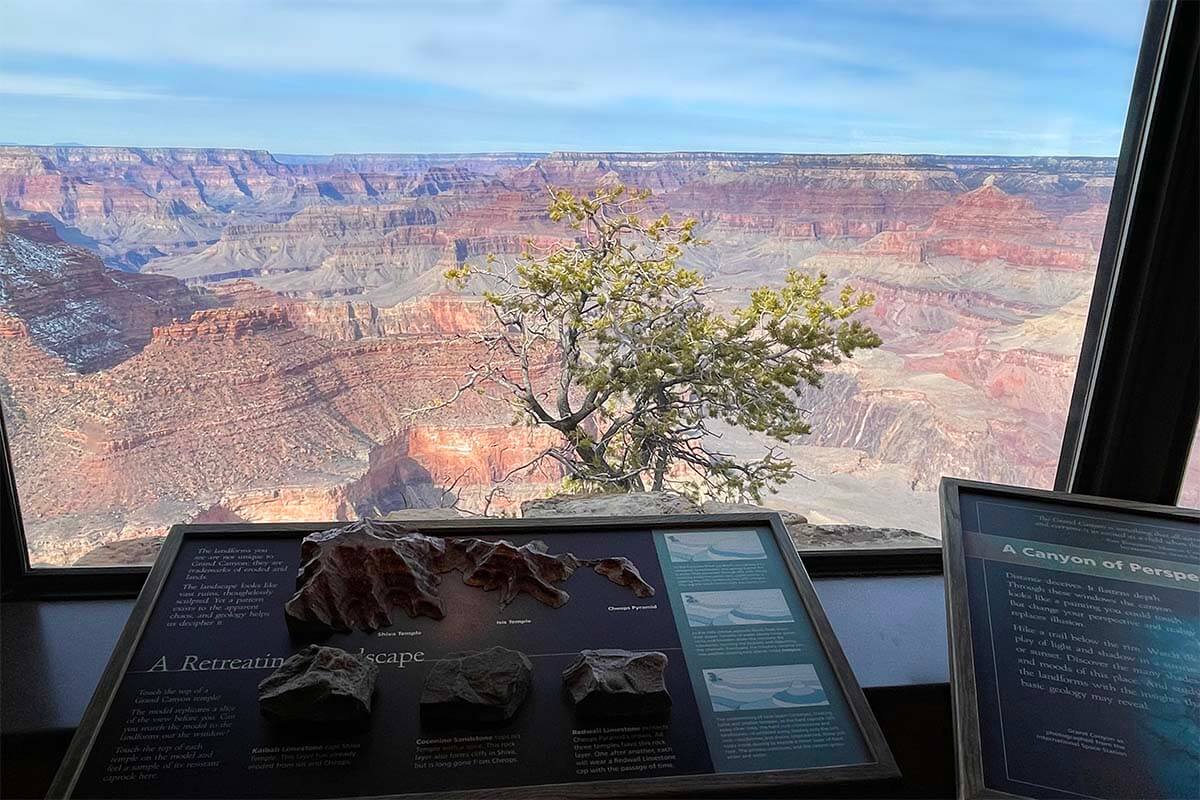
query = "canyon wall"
x=228 y=334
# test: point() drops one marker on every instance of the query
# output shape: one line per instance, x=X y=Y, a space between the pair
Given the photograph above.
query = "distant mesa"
x=357 y=575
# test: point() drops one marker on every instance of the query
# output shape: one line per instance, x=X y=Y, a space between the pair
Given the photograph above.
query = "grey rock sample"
x=320 y=684
x=617 y=683
x=479 y=688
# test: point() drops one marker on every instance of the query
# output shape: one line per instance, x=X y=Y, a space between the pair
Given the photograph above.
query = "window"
x=1189 y=493
x=233 y=329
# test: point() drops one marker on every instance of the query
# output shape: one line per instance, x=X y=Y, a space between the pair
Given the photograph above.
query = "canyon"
x=222 y=335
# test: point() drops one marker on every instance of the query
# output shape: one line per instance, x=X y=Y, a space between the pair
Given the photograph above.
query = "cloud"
x=1111 y=21
x=544 y=71
x=14 y=83
x=550 y=52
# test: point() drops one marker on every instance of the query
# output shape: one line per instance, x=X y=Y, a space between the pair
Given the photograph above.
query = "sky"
x=1002 y=77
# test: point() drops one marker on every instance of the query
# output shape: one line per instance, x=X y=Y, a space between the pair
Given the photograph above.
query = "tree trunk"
x=660 y=469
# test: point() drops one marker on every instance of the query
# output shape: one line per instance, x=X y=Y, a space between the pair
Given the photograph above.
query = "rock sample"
x=352 y=577
x=480 y=688
x=320 y=684
x=622 y=572
x=618 y=683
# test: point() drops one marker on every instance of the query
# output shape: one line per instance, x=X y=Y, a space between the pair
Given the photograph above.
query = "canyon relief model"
x=356 y=576
x=320 y=684
x=485 y=687
x=618 y=683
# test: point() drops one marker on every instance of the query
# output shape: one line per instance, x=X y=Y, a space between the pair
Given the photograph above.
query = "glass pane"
x=210 y=312
x=1189 y=493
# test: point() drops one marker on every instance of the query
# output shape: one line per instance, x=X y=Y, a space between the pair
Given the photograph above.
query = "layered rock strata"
x=71 y=305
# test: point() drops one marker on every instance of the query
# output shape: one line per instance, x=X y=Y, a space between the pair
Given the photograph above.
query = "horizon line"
x=543 y=153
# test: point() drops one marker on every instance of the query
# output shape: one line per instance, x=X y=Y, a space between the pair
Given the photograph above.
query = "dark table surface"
x=892 y=630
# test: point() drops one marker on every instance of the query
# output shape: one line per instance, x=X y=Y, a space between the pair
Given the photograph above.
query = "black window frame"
x=1142 y=325
x=1139 y=365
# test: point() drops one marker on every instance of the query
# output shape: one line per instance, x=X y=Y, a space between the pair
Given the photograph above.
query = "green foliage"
x=645 y=360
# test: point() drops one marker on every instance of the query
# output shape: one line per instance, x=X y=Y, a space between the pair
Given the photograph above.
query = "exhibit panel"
x=1075 y=638
x=648 y=655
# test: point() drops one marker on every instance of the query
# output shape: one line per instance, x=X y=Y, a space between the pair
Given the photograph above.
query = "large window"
x=1189 y=493
x=230 y=302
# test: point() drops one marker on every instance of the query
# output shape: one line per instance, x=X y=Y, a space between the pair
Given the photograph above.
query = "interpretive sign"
x=1075 y=644
x=553 y=657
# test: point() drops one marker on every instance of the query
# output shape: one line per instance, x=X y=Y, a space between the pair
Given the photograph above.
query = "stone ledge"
x=123 y=553
x=804 y=535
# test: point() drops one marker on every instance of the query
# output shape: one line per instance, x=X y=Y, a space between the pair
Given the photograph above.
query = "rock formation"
x=989 y=224
x=73 y=306
x=277 y=424
x=353 y=577
x=617 y=683
x=320 y=684
x=123 y=552
x=479 y=688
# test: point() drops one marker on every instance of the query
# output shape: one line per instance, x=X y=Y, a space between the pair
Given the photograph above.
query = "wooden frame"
x=964 y=698
x=883 y=766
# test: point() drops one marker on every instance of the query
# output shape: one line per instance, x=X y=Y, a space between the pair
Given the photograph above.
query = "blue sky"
x=1041 y=77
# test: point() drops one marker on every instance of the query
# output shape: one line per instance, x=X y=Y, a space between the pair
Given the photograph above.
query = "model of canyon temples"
x=357 y=575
